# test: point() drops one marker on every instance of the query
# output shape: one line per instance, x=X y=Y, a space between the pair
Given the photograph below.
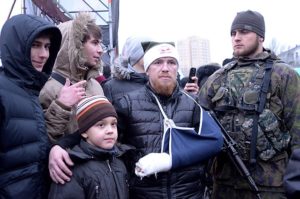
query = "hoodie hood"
x=16 y=39
x=70 y=60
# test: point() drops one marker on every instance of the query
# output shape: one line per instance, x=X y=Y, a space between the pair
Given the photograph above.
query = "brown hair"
x=92 y=30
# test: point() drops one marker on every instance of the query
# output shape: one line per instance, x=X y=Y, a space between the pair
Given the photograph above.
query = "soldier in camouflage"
x=264 y=119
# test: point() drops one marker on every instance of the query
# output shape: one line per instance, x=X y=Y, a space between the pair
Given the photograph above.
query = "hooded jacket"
x=70 y=64
x=24 y=143
x=124 y=80
x=98 y=173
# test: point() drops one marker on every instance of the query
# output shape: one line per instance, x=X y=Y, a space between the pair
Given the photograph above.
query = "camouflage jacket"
x=278 y=129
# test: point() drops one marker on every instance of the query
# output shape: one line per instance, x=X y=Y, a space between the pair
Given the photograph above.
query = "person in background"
x=128 y=70
x=29 y=45
x=98 y=170
x=256 y=99
x=183 y=81
x=203 y=72
x=190 y=87
x=76 y=66
x=104 y=75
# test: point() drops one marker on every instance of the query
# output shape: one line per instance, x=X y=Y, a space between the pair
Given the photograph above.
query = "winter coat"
x=70 y=64
x=140 y=124
x=277 y=124
x=98 y=174
x=24 y=143
x=123 y=82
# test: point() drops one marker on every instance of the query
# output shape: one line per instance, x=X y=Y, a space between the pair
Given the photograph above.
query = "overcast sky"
x=176 y=19
x=171 y=20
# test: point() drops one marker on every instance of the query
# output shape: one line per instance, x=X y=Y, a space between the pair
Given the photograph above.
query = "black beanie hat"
x=249 y=20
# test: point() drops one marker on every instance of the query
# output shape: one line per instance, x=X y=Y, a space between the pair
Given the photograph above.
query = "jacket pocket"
x=270 y=173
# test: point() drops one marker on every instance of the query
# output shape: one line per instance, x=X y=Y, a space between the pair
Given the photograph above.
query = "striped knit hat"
x=92 y=109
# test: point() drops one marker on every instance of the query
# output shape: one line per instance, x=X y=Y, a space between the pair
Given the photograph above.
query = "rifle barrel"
x=235 y=158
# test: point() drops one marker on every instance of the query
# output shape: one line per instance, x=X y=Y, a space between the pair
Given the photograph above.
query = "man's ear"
x=261 y=39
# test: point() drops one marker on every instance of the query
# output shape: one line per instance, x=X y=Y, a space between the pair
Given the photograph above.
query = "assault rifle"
x=230 y=146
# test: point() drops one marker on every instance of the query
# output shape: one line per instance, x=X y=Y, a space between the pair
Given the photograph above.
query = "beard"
x=164 y=89
x=247 y=52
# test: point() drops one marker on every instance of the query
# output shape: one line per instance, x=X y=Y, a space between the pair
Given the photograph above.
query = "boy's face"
x=92 y=51
x=39 y=53
x=103 y=134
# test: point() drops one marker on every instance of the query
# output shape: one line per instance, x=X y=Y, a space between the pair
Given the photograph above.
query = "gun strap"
x=262 y=102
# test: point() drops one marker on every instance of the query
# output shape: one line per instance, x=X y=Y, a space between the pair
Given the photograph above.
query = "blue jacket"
x=24 y=142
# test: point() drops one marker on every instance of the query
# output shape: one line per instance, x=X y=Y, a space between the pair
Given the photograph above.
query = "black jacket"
x=123 y=82
x=98 y=173
x=24 y=142
x=292 y=176
x=140 y=124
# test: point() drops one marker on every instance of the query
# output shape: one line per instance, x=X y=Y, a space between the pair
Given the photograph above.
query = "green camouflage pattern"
x=222 y=192
x=279 y=123
x=270 y=138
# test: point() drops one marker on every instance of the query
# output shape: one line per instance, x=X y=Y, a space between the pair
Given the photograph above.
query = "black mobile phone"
x=192 y=74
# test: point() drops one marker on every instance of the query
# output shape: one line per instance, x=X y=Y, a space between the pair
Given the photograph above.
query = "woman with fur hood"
x=76 y=66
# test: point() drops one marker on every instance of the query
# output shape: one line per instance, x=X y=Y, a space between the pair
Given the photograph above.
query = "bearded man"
x=141 y=124
x=256 y=98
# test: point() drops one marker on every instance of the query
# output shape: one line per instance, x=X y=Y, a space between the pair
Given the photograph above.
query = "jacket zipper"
x=108 y=164
x=97 y=192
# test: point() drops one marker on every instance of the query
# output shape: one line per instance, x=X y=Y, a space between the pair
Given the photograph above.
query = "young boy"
x=98 y=171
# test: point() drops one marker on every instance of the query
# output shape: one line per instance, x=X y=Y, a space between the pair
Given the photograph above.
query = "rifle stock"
x=230 y=145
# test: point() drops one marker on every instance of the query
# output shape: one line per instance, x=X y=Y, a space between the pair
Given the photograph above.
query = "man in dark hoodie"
x=29 y=46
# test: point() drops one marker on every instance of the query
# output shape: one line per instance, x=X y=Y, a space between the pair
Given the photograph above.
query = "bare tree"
x=275 y=46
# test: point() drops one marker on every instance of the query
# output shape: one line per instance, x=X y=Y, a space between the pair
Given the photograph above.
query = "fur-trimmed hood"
x=121 y=71
x=70 y=60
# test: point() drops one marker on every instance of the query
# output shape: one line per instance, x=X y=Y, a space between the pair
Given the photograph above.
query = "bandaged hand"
x=153 y=163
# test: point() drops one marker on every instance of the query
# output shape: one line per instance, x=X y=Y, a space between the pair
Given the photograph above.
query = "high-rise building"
x=193 y=52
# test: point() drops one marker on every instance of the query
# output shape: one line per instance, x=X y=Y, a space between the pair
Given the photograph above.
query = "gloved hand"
x=152 y=164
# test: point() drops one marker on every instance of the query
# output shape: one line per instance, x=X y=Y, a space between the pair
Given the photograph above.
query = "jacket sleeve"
x=57 y=116
x=69 y=140
x=207 y=92
x=289 y=92
x=70 y=190
x=122 y=109
x=292 y=176
x=107 y=91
